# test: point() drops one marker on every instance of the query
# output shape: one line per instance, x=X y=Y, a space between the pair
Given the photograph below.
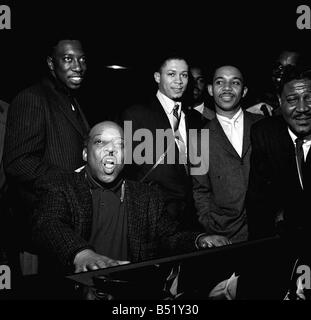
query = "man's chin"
x=108 y=178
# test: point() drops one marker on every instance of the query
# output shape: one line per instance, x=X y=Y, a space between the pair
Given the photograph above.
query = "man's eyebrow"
x=175 y=70
x=234 y=78
x=97 y=136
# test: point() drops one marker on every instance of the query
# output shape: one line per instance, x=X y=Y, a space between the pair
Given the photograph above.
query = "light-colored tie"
x=236 y=140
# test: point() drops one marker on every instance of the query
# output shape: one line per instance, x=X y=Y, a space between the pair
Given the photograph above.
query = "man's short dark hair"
x=53 y=41
x=298 y=72
x=167 y=56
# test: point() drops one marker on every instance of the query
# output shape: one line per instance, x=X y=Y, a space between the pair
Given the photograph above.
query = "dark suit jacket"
x=42 y=135
x=172 y=178
x=195 y=119
x=3 y=203
x=3 y=116
x=219 y=195
x=62 y=220
x=274 y=182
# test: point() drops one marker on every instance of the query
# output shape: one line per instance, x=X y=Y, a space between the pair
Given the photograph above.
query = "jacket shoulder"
x=253 y=117
x=60 y=180
x=268 y=124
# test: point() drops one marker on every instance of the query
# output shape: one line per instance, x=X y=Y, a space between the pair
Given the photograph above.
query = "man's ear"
x=210 y=89
x=279 y=99
x=157 y=77
x=84 y=154
x=245 y=89
x=50 y=63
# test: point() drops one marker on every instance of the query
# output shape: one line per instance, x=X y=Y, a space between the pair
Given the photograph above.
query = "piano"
x=263 y=266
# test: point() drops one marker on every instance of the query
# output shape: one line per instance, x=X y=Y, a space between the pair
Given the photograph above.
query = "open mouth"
x=109 y=163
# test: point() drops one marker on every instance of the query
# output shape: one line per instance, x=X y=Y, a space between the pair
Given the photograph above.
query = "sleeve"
x=52 y=227
x=204 y=200
x=25 y=138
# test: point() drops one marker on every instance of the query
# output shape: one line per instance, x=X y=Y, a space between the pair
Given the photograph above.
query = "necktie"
x=264 y=110
x=176 y=117
x=178 y=138
x=300 y=157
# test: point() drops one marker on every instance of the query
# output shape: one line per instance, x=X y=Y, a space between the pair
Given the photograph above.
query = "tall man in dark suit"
x=164 y=112
x=280 y=186
x=219 y=195
x=45 y=131
x=96 y=219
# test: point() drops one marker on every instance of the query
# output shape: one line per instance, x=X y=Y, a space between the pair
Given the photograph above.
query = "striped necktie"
x=176 y=118
x=178 y=138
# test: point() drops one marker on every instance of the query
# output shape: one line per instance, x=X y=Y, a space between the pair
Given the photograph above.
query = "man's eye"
x=185 y=75
x=291 y=100
x=308 y=98
x=218 y=82
x=171 y=74
x=236 y=83
x=83 y=60
x=67 y=59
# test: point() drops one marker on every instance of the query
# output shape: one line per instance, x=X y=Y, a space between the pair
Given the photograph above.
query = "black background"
x=249 y=34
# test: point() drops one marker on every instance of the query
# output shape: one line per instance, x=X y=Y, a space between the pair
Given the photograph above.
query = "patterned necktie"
x=176 y=118
x=178 y=138
x=300 y=156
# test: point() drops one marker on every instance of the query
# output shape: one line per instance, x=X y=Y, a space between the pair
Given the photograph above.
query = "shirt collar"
x=167 y=103
x=236 y=118
x=294 y=137
x=200 y=107
x=93 y=184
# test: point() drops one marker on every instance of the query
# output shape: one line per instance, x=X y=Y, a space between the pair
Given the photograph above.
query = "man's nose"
x=227 y=86
x=179 y=79
x=77 y=65
x=302 y=106
x=110 y=149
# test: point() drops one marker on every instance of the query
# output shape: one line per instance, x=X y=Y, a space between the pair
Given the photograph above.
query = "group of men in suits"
x=216 y=198
x=45 y=132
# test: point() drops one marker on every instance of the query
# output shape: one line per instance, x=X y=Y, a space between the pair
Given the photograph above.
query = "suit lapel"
x=221 y=138
x=246 y=133
x=287 y=155
x=65 y=107
x=161 y=121
x=159 y=115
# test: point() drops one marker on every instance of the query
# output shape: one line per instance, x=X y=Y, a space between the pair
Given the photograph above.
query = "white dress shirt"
x=306 y=146
x=168 y=106
x=200 y=108
x=233 y=129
